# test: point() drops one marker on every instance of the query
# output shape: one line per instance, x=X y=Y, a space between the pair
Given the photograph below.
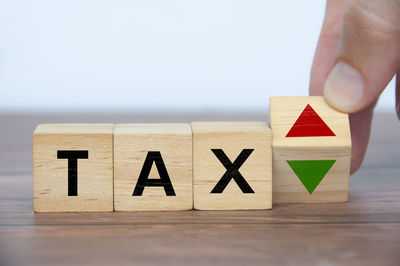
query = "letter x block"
x=153 y=167
x=73 y=168
x=232 y=165
x=311 y=151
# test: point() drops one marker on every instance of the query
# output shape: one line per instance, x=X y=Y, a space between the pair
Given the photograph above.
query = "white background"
x=152 y=55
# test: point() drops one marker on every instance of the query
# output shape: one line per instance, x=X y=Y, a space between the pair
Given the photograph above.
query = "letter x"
x=232 y=171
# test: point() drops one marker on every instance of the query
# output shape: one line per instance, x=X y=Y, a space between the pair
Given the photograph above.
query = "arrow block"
x=232 y=165
x=311 y=149
x=73 y=168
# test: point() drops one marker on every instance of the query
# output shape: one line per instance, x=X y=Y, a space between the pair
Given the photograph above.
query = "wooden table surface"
x=363 y=231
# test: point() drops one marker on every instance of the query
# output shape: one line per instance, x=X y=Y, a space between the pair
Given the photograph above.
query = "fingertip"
x=356 y=162
x=360 y=127
x=344 y=88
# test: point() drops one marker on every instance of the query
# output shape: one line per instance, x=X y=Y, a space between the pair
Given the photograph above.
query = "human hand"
x=358 y=54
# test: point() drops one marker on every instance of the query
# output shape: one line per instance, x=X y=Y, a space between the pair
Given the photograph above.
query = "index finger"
x=327 y=43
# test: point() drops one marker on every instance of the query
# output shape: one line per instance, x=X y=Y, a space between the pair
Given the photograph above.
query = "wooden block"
x=311 y=151
x=232 y=165
x=153 y=167
x=73 y=168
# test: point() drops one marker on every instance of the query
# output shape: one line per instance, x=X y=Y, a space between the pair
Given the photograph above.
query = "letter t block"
x=73 y=168
x=311 y=149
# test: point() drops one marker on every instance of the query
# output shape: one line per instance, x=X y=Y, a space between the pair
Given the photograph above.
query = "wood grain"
x=232 y=139
x=132 y=144
x=363 y=231
x=287 y=187
x=94 y=183
x=284 y=112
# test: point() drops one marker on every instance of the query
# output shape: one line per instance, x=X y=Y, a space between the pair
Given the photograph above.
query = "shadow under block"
x=153 y=167
x=232 y=165
x=73 y=168
x=311 y=151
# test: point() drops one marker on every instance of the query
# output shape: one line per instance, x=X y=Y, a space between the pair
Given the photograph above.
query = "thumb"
x=368 y=54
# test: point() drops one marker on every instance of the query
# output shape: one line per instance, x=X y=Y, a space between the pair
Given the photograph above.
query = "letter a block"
x=153 y=167
x=311 y=151
x=73 y=168
x=232 y=165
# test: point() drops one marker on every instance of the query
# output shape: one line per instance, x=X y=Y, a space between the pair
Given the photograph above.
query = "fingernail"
x=344 y=88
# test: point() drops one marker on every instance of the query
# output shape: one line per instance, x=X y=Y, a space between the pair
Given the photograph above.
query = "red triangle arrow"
x=309 y=124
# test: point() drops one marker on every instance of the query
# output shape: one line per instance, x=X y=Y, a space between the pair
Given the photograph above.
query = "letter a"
x=143 y=180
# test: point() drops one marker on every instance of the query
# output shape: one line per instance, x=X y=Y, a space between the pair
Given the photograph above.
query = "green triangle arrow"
x=311 y=172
